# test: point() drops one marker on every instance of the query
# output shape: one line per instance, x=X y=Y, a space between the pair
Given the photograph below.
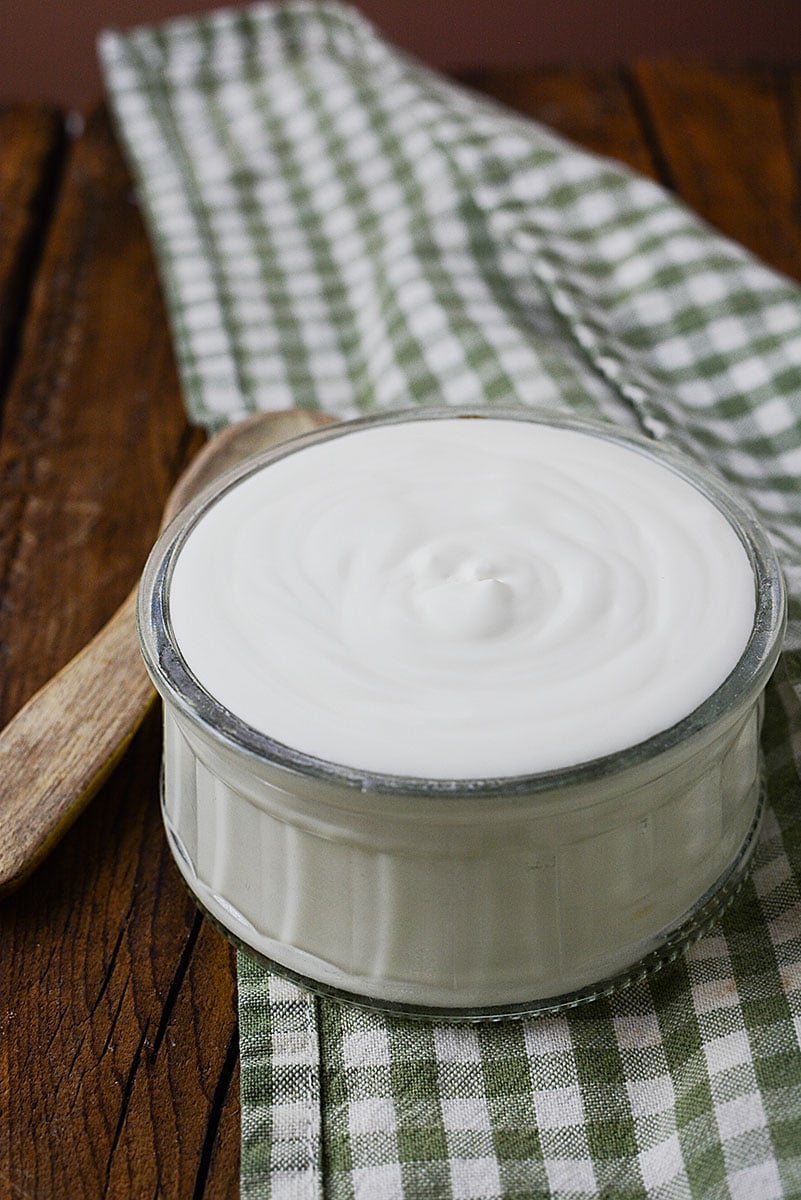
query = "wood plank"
x=722 y=134
x=118 y=1034
x=84 y=464
x=32 y=141
x=788 y=82
x=117 y=1002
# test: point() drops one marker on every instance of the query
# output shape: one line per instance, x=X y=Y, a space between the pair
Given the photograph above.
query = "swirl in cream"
x=462 y=598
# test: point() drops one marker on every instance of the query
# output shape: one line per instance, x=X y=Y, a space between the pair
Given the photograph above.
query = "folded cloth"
x=338 y=227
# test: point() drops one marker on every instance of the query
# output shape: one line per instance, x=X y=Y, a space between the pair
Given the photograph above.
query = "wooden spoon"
x=61 y=747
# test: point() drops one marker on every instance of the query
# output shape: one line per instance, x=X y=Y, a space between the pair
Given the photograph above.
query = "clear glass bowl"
x=464 y=898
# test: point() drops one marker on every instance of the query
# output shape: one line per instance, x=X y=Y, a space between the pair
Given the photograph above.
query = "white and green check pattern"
x=337 y=227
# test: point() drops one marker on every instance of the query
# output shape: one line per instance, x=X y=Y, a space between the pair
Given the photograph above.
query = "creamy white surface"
x=462 y=598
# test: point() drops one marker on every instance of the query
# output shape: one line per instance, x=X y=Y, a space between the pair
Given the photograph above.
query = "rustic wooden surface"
x=118 y=1038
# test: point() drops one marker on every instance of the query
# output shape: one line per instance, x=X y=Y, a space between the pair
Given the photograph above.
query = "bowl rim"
x=178 y=685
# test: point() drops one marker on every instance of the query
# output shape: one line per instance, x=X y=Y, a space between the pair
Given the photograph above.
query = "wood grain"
x=32 y=144
x=93 y=430
x=115 y=1041
x=723 y=136
x=118 y=1052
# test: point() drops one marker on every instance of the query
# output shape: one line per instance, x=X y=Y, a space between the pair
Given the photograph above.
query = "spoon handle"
x=63 y=744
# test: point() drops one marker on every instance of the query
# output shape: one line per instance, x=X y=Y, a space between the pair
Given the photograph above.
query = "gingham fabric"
x=335 y=226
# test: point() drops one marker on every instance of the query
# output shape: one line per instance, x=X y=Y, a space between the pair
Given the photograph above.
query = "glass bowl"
x=464 y=898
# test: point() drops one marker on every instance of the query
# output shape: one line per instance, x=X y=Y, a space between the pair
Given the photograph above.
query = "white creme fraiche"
x=462 y=598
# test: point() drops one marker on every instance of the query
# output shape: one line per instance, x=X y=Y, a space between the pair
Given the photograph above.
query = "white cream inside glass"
x=462 y=599
x=414 y=605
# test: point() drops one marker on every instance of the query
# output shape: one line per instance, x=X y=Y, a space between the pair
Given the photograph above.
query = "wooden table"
x=118 y=1036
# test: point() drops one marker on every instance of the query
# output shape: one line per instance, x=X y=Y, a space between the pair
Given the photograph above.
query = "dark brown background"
x=47 y=49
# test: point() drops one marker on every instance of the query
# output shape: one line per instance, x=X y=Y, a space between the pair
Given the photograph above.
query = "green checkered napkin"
x=337 y=227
